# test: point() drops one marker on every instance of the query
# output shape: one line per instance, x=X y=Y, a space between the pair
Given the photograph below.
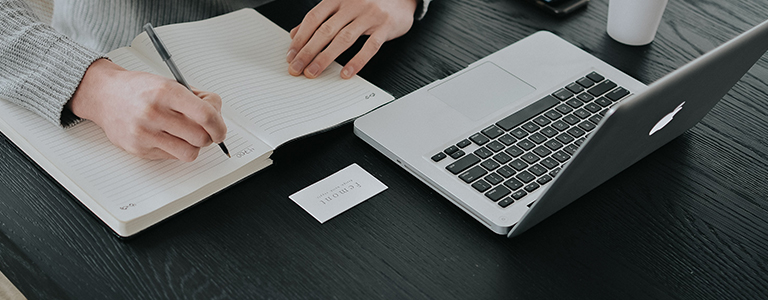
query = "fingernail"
x=291 y=54
x=297 y=67
x=346 y=72
x=313 y=69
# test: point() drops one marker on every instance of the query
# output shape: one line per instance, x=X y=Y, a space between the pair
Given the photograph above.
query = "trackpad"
x=482 y=90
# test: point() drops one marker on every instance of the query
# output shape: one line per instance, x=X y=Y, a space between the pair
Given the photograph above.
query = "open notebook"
x=240 y=56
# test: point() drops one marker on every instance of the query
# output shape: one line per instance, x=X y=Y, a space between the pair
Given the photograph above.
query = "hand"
x=334 y=25
x=148 y=115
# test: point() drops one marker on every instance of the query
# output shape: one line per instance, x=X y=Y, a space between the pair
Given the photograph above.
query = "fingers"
x=205 y=112
x=302 y=33
x=333 y=26
x=371 y=46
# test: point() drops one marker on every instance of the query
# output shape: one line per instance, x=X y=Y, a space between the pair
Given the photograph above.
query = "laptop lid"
x=646 y=121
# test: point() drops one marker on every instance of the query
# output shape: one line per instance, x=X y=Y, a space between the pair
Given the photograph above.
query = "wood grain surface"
x=689 y=221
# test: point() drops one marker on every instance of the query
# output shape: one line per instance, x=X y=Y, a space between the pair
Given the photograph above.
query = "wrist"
x=93 y=88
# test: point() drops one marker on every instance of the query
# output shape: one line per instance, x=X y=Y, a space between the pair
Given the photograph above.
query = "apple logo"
x=666 y=119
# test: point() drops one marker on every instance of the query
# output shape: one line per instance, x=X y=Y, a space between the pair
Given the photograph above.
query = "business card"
x=338 y=192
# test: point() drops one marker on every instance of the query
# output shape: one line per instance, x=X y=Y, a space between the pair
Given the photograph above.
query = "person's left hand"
x=334 y=25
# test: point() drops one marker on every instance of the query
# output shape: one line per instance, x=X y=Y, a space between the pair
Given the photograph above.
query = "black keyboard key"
x=483 y=152
x=575 y=103
x=537 y=170
x=579 y=141
x=528 y=112
x=490 y=164
x=532 y=187
x=553 y=144
x=530 y=158
x=481 y=186
x=571 y=149
x=541 y=120
x=587 y=125
x=457 y=154
x=602 y=88
x=560 y=125
x=514 y=151
x=538 y=138
x=576 y=132
x=544 y=179
x=531 y=127
x=495 y=146
x=492 y=132
x=519 y=194
x=554 y=172
x=479 y=139
x=494 y=178
x=604 y=102
x=495 y=194
x=541 y=151
x=506 y=171
x=595 y=119
x=451 y=149
x=564 y=108
x=438 y=157
x=582 y=113
x=592 y=107
x=594 y=76
x=617 y=94
x=575 y=88
x=507 y=139
x=585 y=97
x=502 y=158
x=464 y=143
x=518 y=164
x=571 y=119
x=549 y=163
x=473 y=174
x=549 y=131
x=526 y=144
x=525 y=177
x=519 y=133
x=553 y=115
x=462 y=164
x=585 y=82
x=565 y=138
x=513 y=184
x=561 y=156
x=506 y=202
x=562 y=94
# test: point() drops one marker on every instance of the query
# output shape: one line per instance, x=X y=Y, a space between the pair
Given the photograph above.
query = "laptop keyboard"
x=524 y=151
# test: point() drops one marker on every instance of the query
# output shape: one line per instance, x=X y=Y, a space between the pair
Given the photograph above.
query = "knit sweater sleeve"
x=40 y=68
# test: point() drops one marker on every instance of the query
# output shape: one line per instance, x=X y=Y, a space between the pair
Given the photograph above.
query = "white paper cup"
x=634 y=22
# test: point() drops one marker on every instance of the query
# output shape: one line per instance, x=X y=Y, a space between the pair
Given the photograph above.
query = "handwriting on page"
x=337 y=193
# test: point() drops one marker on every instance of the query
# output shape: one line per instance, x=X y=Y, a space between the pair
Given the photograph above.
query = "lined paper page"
x=125 y=185
x=241 y=56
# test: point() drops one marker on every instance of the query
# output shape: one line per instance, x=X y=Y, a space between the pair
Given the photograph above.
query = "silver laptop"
x=525 y=131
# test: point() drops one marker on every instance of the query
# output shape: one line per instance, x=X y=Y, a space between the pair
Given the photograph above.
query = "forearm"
x=40 y=69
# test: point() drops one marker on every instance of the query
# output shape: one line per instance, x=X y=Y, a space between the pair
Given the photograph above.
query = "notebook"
x=263 y=107
x=525 y=131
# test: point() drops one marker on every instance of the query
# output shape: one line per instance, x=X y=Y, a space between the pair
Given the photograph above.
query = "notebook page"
x=124 y=185
x=241 y=56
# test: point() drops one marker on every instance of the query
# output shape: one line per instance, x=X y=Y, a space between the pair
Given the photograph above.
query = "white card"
x=337 y=193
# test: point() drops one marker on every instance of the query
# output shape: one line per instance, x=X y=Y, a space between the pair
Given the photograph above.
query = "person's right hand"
x=148 y=115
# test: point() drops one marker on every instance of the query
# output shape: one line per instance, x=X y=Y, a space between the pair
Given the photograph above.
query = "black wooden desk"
x=690 y=221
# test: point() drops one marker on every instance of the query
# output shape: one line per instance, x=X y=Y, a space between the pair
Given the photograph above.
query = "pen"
x=171 y=65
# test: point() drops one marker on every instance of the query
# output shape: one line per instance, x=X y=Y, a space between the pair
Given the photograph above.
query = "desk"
x=690 y=221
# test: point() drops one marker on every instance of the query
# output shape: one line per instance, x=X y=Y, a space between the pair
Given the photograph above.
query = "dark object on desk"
x=560 y=7
x=172 y=66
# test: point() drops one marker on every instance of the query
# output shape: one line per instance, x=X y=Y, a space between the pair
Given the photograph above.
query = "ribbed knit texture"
x=41 y=67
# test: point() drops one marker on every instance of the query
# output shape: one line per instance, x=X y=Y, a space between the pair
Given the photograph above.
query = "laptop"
x=525 y=131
